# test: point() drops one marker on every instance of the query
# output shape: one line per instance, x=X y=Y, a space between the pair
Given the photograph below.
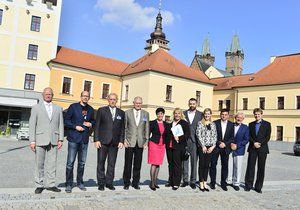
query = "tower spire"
x=234 y=56
x=206 y=55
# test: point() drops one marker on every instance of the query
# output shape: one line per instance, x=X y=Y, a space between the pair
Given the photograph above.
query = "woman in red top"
x=156 y=149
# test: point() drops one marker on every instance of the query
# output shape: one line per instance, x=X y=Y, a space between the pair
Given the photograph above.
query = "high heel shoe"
x=152 y=187
x=206 y=189
x=202 y=189
x=156 y=186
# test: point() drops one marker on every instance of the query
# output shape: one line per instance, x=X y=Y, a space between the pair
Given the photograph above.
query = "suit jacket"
x=42 y=130
x=228 y=137
x=75 y=118
x=241 y=139
x=107 y=130
x=136 y=134
x=263 y=136
x=193 y=125
x=155 y=134
x=182 y=139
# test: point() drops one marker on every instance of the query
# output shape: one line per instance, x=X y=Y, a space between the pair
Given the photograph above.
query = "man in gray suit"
x=46 y=134
x=193 y=116
x=136 y=139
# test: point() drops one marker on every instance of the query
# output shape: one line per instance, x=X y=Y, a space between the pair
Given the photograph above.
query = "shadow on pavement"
x=10 y=150
x=288 y=153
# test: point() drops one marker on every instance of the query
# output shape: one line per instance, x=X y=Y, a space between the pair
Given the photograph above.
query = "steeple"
x=158 y=37
x=206 y=55
x=234 y=57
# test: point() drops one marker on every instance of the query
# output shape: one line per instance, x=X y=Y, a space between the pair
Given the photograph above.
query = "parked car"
x=23 y=132
x=297 y=147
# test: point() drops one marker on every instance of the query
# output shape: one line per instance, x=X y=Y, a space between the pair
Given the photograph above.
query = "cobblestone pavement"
x=281 y=190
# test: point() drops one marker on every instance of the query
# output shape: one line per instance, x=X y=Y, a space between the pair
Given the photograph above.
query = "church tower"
x=158 y=37
x=206 y=55
x=234 y=57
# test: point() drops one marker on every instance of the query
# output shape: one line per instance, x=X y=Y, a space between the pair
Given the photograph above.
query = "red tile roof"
x=284 y=70
x=89 y=61
x=162 y=62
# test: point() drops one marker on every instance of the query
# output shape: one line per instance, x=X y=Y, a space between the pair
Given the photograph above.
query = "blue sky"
x=119 y=28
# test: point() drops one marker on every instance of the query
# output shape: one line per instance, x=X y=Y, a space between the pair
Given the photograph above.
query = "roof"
x=89 y=61
x=162 y=62
x=283 y=70
x=203 y=65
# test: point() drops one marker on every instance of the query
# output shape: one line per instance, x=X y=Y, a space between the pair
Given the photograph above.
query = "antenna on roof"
x=159 y=5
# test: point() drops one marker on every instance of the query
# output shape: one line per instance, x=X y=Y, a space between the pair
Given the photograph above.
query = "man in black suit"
x=225 y=136
x=108 y=138
x=260 y=133
x=193 y=116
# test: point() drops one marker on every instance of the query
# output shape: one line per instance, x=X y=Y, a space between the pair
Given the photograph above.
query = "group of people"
x=192 y=140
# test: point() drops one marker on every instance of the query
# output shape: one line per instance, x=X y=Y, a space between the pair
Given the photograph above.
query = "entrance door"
x=279 y=136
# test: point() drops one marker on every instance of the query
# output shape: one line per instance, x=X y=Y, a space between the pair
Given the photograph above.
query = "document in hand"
x=177 y=130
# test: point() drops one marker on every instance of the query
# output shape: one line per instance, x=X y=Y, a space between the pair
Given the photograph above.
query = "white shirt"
x=137 y=116
x=224 y=126
x=49 y=108
x=113 y=112
x=191 y=115
x=236 y=128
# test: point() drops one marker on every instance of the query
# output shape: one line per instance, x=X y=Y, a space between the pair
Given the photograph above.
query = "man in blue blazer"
x=79 y=120
x=241 y=139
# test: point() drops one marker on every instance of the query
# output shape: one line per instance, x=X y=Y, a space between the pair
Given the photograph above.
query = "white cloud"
x=130 y=14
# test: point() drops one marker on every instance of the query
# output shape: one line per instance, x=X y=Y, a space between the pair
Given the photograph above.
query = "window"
x=245 y=103
x=126 y=92
x=279 y=135
x=32 y=52
x=169 y=93
x=54 y=2
x=298 y=102
x=105 y=90
x=29 y=82
x=198 y=97
x=87 y=86
x=220 y=105
x=262 y=102
x=66 y=89
x=35 y=23
x=280 y=102
x=1 y=14
x=297 y=133
x=228 y=104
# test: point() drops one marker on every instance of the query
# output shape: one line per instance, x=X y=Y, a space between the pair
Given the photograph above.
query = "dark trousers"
x=74 y=149
x=193 y=159
x=224 y=166
x=261 y=162
x=110 y=152
x=204 y=162
x=134 y=154
x=175 y=160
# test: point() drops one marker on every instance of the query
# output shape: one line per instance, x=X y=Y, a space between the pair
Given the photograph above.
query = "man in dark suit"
x=193 y=116
x=260 y=133
x=241 y=139
x=108 y=138
x=225 y=136
x=79 y=119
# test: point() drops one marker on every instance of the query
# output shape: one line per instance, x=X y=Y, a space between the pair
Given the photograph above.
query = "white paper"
x=177 y=130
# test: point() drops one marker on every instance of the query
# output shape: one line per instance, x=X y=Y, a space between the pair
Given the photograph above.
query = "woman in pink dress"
x=156 y=149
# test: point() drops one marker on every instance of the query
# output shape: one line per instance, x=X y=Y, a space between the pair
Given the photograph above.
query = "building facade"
x=28 y=39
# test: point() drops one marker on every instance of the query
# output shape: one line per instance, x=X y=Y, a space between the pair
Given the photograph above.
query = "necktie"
x=49 y=110
x=113 y=113
x=136 y=118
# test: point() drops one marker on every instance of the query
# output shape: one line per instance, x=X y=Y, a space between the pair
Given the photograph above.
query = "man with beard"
x=193 y=116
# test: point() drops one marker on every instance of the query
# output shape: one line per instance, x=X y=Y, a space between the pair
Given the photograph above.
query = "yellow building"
x=275 y=89
x=73 y=71
x=29 y=34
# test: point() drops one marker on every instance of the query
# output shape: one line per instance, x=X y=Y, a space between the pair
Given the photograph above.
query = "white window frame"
x=62 y=84
x=92 y=86
x=102 y=89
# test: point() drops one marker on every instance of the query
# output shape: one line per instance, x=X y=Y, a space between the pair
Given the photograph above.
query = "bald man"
x=46 y=134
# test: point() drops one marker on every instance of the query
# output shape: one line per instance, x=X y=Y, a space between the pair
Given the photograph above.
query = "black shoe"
x=247 y=189
x=68 y=189
x=206 y=189
x=224 y=187
x=201 y=189
x=193 y=186
x=152 y=187
x=110 y=186
x=38 y=190
x=212 y=186
x=257 y=190
x=168 y=184
x=136 y=186
x=101 y=187
x=175 y=188
x=54 y=189
x=156 y=186
x=81 y=187
x=184 y=184
x=236 y=188
x=126 y=187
